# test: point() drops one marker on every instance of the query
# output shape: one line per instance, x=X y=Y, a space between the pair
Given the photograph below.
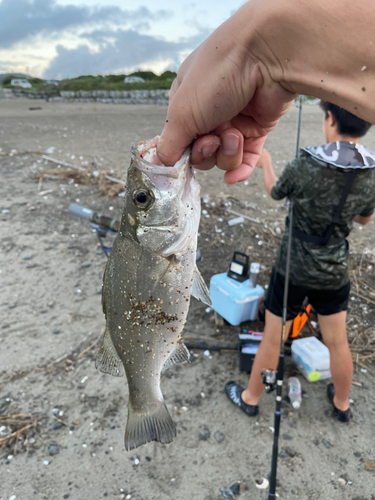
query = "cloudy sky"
x=66 y=38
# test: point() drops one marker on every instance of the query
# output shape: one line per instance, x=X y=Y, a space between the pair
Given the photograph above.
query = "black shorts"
x=325 y=302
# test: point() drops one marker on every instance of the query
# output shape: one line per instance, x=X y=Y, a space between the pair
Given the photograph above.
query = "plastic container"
x=236 y=220
x=311 y=357
x=235 y=302
x=248 y=343
x=254 y=271
x=294 y=392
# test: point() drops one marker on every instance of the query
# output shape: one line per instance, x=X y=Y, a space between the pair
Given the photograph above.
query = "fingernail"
x=209 y=150
x=230 y=144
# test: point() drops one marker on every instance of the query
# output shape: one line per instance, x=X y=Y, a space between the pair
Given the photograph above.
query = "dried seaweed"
x=18 y=431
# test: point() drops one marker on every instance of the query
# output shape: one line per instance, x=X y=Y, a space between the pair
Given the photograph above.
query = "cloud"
x=22 y=19
x=119 y=51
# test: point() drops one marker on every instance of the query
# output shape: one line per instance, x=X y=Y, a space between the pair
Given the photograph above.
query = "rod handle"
x=84 y=213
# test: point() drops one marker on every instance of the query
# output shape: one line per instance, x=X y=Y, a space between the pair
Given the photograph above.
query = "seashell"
x=263 y=485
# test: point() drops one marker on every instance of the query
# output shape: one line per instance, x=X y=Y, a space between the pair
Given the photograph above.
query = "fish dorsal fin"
x=179 y=355
x=200 y=290
x=107 y=359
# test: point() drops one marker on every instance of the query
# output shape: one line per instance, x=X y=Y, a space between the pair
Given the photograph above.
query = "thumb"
x=173 y=140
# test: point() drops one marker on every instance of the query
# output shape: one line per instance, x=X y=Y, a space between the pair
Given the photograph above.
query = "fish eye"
x=143 y=198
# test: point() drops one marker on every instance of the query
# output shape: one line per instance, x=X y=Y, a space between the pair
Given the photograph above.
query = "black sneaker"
x=234 y=391
x=342 y=416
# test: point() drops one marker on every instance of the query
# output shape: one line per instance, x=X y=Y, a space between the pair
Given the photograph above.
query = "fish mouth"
x=170 y=226
x=143 y=151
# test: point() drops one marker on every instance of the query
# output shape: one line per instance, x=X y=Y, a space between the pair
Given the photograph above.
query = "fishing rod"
x=280 y=367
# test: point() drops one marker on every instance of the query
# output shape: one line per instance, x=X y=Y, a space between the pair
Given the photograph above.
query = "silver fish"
x=149 y=277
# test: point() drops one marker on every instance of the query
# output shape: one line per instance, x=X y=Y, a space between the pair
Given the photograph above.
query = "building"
x=133 y=79
x=21 y=82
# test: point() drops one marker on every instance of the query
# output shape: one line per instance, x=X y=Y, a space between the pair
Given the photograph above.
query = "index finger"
x=251 y=153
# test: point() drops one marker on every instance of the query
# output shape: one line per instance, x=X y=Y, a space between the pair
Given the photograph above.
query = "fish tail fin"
x=155 y=424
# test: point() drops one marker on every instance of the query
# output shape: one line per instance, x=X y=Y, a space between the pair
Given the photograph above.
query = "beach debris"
x=219 y=436
x=146 y=303
x=57 y=425
x=257 y=221
x=53 y=449
x=235 y=488
x=204 y=434
x=226 y=493
x=22 y=427
x=262 y=484
x=110 y=178
x=235 y=221
x=63 y=163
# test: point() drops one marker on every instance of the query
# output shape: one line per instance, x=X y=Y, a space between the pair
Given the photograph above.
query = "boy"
x=319 y=181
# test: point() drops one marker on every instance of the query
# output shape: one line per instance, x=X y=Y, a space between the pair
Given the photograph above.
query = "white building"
x=21 y=82
x=133 y=79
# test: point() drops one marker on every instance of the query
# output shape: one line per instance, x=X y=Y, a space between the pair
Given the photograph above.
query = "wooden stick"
x=17 y=153
x=363 y=297
x=219 y=320
x=59 y=162
x=113 y=179
x=362 y=349
x=16 y=433
x=365 y=368
x=59 y=420
x=18 y=415
x=257 y=221
x=87 y=349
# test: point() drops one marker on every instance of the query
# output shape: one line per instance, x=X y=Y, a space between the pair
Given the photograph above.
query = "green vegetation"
x=116 y=82
x=100 y=82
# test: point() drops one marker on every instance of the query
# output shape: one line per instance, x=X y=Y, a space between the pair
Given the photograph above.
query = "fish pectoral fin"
x=154 y=423
x=179 y=355
x=107 y=359
x=200 y=290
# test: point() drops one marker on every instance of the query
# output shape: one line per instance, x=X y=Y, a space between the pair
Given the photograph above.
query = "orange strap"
x=299 y=321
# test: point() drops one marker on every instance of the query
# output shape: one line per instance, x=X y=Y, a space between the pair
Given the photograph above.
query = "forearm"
x=308 y=54
x=269 y=177
x=362 y=220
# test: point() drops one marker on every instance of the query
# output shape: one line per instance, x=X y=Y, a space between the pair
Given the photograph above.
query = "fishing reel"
x=268 y=378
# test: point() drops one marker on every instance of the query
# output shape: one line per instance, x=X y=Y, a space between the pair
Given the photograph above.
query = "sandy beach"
x=51 y=271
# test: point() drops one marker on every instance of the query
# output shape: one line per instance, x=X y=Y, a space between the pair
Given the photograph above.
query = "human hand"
x=224 y=102
x=242 y=79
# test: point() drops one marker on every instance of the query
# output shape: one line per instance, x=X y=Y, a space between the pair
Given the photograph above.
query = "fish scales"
x=149 y=278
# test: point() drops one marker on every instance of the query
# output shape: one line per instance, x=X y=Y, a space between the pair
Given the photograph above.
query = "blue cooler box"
x=234 y=301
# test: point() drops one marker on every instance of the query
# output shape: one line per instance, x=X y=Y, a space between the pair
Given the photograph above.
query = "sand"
x=50 y=310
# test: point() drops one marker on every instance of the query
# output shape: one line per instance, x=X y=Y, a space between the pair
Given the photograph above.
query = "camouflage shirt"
x=316 y=190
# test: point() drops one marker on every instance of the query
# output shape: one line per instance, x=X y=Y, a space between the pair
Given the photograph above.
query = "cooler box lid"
x=241 y=293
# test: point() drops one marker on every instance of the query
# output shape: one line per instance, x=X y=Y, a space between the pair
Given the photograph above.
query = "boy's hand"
x=264 y=159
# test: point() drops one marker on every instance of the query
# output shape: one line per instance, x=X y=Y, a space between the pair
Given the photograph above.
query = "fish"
x=149 y=278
